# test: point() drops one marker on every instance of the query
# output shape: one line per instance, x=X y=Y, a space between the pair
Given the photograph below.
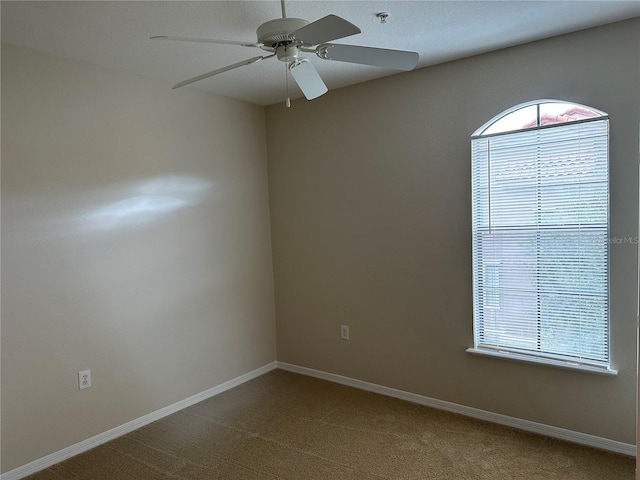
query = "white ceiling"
x=116 y=34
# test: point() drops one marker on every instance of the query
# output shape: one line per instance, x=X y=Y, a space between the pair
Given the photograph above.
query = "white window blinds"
x=540 y=200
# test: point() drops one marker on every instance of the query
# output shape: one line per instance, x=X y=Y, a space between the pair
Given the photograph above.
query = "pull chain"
x=287 y=102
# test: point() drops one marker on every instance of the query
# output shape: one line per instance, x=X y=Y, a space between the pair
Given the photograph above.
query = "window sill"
x=543 y=361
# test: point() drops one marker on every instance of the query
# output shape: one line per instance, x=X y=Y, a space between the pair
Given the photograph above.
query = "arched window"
x=540 y=210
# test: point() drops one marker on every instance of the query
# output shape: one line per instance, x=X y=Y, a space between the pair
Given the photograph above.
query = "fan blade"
x=221 y=70
x=326 y=29
x=378 y=57
x=205 y=40
x=307 y=78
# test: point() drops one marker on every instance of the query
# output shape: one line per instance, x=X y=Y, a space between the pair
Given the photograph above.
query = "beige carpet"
x=288 y=426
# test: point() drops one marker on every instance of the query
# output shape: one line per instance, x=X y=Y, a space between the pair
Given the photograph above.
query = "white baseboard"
x=540 y=428
x=550 y=431
x=83 y=446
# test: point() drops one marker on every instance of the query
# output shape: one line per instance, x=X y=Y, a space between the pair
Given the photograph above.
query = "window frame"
x=530 y=355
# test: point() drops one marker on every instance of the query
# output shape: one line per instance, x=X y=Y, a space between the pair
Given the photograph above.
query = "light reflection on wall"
x=145 y=203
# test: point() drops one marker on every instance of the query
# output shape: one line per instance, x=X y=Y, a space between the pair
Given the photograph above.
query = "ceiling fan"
x=287 y=38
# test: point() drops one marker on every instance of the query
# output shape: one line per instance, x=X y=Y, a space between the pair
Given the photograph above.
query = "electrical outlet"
x=84 y=379
x=344 y=332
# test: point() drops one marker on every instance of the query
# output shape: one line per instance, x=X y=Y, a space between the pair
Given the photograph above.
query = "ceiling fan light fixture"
x=287 y=53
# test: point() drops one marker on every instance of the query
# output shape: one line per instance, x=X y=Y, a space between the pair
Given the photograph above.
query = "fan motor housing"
x=279 y=30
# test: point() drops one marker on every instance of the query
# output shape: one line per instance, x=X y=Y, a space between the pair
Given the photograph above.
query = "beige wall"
x=135 y=243
x=370 y=208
